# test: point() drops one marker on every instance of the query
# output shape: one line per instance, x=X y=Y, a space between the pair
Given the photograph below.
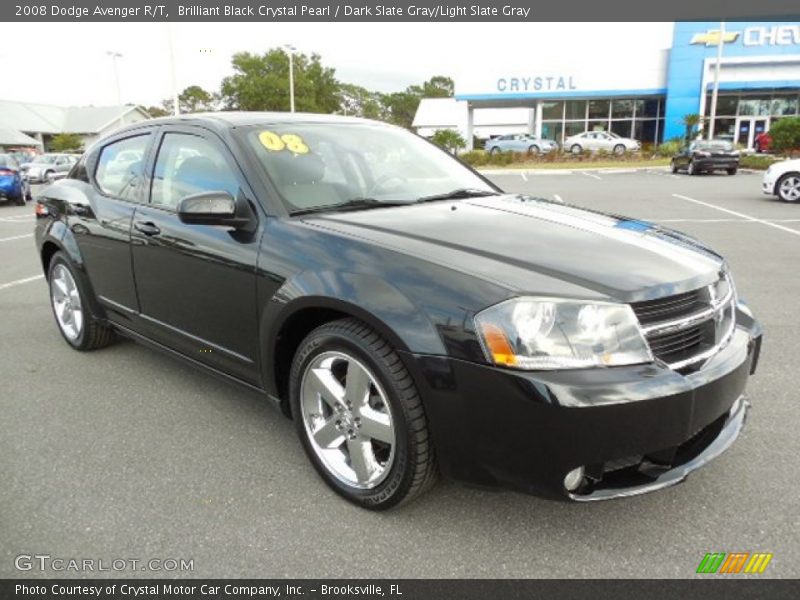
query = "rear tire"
x=370 y=444
x=576 y=149
x=673 y=167
x=20 y=200
x=690 y=169
x=68 y=299
x=732 y=171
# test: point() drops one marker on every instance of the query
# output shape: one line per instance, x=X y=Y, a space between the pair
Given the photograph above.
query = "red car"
x=763 y=142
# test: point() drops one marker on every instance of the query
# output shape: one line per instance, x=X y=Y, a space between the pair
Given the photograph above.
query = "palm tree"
x=691 y=122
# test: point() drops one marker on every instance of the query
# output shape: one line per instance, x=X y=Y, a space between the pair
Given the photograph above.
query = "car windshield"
x=325 y=166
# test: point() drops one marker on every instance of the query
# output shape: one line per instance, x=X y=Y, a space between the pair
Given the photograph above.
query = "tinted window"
x=120 y=167
x=186 y=165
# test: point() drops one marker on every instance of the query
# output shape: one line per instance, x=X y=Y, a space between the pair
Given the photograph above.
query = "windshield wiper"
x=352 y=204
x=458 y=194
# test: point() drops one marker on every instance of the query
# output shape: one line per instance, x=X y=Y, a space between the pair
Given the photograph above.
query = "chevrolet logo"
x=712 y=37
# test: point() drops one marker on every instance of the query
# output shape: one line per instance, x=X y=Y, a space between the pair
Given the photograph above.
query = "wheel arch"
x=285 y=322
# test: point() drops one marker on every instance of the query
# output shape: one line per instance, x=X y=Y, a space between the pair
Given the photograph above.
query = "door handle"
x=146 y=227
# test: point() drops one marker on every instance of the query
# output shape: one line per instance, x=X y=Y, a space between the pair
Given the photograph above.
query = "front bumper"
x=633 y=429
x=768 y=185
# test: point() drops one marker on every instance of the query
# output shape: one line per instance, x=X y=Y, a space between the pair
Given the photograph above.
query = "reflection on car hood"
x=505 y=239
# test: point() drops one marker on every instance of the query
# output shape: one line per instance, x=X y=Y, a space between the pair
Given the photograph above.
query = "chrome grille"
x=688 y=328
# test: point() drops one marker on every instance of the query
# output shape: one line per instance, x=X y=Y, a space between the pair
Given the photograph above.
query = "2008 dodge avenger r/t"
x=408 y=315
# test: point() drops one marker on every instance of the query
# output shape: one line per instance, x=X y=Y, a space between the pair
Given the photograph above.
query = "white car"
x=783 y=180
x=600 y=140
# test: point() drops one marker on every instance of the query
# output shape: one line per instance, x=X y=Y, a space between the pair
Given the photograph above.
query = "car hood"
x=35 y=165
x=530 y=245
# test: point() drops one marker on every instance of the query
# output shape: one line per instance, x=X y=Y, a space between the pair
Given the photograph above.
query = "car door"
x=196 y=284
x=102 y=229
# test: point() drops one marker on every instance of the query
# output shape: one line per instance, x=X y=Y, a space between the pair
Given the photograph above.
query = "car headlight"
x=550 y=333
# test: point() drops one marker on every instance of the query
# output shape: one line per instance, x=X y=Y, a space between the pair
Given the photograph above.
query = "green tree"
x=195 y=99
x=159 y=111
x=66 y=142
x=437 y=86
x=448 y=139
x=261 y=82
x=357 y=101
x=785 y=135
x=690 y=122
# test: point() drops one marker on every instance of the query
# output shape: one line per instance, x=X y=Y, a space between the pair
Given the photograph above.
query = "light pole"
x=715 y=92
x=172 y=76
x=290 y=51
x=114 y=56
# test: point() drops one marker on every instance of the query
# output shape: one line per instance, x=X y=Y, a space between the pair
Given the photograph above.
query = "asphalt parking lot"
x=123 y=453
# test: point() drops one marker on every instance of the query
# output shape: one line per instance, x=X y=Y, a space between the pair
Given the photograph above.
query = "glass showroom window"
x=552 y=111
x=574 y=128
x=784 y=106
x=622 y=109
x=622 y=128
x=754 y=107
x=575 y=109
x=553 y=130
x=599 y=109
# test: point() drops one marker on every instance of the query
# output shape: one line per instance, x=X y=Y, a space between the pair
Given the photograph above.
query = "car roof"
x=231 y=119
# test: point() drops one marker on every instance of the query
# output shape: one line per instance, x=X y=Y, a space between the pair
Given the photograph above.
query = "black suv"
x=409 y=316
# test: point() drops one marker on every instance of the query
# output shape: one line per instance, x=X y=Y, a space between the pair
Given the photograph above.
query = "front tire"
x=68 y=299
x=619 y=149
x=359 y=416
x=788 y=187
x=494 y=151
x=732 y=171
x=690 y=169
x=533 y=150
x=673 y=166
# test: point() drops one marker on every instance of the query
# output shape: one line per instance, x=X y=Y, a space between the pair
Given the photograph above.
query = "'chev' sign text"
x=778 y=35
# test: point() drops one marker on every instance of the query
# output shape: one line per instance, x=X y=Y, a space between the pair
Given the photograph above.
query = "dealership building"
x=642 y=94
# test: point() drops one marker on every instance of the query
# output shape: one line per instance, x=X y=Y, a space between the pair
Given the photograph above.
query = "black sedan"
x=409 y=316
x=706 y=157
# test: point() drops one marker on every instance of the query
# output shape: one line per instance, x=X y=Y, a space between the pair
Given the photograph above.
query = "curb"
x=572 y=171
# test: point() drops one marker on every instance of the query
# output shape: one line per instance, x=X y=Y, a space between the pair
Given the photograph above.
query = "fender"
x=366 y=297
x=58 y=198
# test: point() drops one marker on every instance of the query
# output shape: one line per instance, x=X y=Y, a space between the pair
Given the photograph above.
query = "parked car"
x=48 y=167
x=519 y=142
x=782 y=179
x=702 y=156
x=600 y=140
x=12 y=183
x=405 y=312
x=763 y=143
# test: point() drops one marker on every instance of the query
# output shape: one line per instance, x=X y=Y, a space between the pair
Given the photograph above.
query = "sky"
x=67 y=63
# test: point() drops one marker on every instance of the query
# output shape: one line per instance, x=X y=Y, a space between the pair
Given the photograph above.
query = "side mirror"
x=215 y=208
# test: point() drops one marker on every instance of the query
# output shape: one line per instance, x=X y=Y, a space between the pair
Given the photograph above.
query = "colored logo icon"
x=734 y=562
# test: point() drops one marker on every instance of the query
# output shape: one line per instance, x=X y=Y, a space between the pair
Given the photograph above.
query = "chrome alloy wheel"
x=789 y=189
x=66 y=301
x=348 y=419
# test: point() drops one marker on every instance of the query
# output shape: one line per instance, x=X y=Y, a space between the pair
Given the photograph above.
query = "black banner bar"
x=392 y=10
x=713 y=587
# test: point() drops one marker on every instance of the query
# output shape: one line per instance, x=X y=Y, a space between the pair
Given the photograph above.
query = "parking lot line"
x=18 y=219
x=591 y=175
x=20 y=281
x=16 y=237
x=737 y=214
x=524 y=177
